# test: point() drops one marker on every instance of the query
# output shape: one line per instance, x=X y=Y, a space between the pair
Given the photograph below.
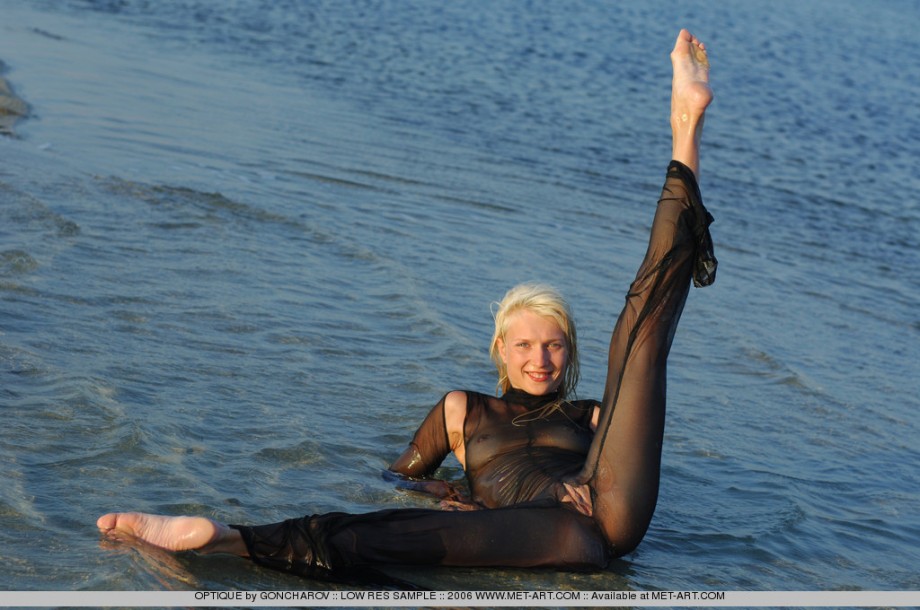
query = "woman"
x=554 y=483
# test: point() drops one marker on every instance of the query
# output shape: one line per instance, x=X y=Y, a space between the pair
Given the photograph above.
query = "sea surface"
x=245 y=246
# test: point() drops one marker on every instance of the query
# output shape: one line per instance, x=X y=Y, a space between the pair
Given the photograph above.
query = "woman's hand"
x=453 y=496
x=458 y=505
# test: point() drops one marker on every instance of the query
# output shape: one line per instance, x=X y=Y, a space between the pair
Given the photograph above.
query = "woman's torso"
x=516 y=454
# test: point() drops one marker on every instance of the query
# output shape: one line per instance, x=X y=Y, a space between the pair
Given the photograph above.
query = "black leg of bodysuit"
x=334 y=545
x=623 y=465
x=622 y=468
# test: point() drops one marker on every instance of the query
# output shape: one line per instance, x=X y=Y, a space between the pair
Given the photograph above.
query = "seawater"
x=245 y=246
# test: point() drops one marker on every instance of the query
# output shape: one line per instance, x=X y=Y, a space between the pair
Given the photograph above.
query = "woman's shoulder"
x=469 y=395
x=476 y=406
x=582 y=411
x=467 y=409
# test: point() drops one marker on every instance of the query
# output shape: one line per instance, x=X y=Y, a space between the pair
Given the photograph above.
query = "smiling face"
x=535 y=352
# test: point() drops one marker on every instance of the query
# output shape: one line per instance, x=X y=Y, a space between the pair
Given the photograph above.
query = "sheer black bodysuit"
x=518 y=458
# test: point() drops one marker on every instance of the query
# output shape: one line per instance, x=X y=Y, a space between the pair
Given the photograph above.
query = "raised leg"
x=624 y=463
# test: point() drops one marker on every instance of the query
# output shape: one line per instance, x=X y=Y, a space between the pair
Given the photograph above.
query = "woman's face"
x=535 y=352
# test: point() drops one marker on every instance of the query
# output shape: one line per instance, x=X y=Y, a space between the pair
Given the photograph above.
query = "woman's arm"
x=439 y=434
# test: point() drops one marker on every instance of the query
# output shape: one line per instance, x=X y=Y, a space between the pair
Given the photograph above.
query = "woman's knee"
x=623 y=529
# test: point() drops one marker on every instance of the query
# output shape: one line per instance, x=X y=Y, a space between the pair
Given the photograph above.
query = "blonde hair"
x=542 y=300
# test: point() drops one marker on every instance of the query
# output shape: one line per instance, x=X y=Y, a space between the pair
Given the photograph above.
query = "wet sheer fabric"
x=338 y=545
x=623 y=466
x=521 y=450
x=518 y=447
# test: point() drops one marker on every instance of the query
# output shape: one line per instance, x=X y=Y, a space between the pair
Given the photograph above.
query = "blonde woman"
x=553 y=482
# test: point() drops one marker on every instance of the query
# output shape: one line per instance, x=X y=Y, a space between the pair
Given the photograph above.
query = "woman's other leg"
x=536 y=535
x=337 y=545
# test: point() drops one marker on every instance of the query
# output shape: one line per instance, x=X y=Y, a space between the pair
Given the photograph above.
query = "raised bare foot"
x=170 y=533
x=690 y=95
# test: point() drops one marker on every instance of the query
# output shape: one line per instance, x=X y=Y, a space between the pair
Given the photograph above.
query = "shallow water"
x=245 y=247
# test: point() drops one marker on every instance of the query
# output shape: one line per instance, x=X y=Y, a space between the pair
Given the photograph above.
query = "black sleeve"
x=428 y=448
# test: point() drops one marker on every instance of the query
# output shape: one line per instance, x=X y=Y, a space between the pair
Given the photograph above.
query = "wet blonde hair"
x=542 y=300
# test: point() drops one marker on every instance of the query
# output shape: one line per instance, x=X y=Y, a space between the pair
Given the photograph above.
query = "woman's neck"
x=531 y=401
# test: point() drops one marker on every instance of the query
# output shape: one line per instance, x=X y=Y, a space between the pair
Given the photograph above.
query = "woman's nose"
x=541 y=356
